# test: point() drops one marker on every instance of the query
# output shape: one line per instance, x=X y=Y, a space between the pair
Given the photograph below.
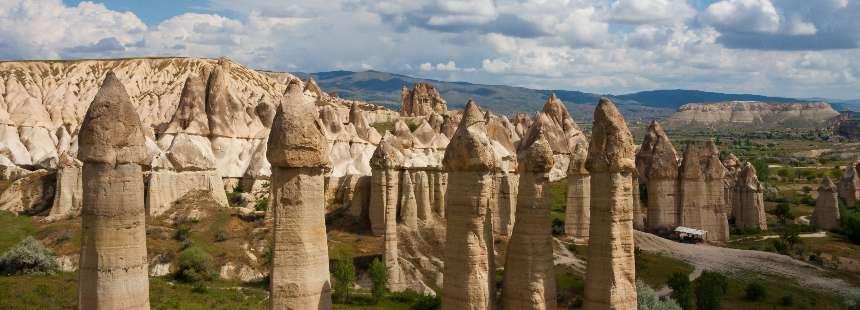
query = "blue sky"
x=795 y=48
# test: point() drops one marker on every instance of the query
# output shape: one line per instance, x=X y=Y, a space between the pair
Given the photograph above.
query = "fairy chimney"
x=826 y=213
x=578 y=211
x=657 y=165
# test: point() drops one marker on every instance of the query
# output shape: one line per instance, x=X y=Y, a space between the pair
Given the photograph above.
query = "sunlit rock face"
x=748 y=204
x=422 y=100
x=826 y=213
x=753 y=113
x=657 y=166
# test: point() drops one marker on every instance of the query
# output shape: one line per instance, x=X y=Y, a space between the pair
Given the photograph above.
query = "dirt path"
x=728 y=260
x=820 y=234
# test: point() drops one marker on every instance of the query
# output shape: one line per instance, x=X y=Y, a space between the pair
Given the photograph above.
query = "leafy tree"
x=28 y=257
x=681 y=290
x=195 y=265
x=761 y=168
x=344 y=276
x=782 y=212
x=711 y=287
x=379 y=278
x=850 y=223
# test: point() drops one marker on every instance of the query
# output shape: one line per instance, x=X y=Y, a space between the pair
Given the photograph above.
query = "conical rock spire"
x=470 y=149
x=295 y=139
x=111 y=132
x=611 y=148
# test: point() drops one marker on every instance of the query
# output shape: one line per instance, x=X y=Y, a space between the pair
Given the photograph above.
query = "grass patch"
x=382 y=127
x=777 y=290
x=655 y=269
x=14 y=229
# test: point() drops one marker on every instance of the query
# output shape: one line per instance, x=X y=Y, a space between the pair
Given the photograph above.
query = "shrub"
x=787 y=300
x=571 y=247
x=221 y=236
x=780 y=246
x=344 y=276
x=850 y=224
x=681 y=289
x=782 y=212
x=710 y=289
x=28 y=257
x=647 y=299
x=557 y=227
x=379 y=278
x=755 y=292
x=195 y=265
x=427 y=302
x=761 y=168
x=262 y=204
x=182 y=233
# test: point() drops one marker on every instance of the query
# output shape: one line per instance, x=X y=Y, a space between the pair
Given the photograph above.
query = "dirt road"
x=728 y=260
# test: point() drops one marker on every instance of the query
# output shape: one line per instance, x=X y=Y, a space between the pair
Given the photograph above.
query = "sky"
x=794 y=48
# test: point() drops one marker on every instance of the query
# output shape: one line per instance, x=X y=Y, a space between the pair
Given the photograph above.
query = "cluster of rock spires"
x=696 y=190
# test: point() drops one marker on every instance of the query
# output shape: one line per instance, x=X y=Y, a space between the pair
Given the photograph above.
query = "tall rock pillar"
x=826 y=213
x=749 y=200
x=578 y=212
x=715 y=216
x=693 y=189
x=657 y=164
x=610 y=279
x=114 y=273
x=469 y=277
x=385 y=162
x=298 y=152
x=529 y=282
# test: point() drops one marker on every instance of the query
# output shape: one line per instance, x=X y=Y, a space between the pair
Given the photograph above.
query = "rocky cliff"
x=753 y=113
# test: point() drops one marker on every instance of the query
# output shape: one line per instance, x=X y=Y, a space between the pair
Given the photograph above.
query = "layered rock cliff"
x=753 y=113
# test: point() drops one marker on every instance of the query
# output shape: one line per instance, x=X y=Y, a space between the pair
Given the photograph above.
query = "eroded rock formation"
x=578 y=211
x=469 y=281
x=849 y=185
x=113 y=261
x=422 y=100
x=298 y=151
x=529 y=281
x=826 y=213
x=753 y=113
x=748 y=206
x=657 y=164
x=611 y=274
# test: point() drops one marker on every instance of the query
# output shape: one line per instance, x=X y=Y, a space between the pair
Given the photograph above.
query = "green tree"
x=379 y=278
x=647 y=299
x=755 y=292
x=711 y=287
x=782 y=212
x=344 y=277
x=761 y=168
x=195 y=265
x=679 y=282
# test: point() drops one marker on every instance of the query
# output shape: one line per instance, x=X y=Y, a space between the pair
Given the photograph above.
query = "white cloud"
x=743 y=16
x=651 y=11
x=426 y=67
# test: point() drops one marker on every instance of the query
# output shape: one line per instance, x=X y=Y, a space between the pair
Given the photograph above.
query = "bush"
x=379 y=278
x=755 y=292
x=572 y=248
x=710 y=289
x=681 y=289
x=557 y=227
x=262 y=204
x=850 y=224
x=780 y=246
x=344 y=277
x=787 y=300
x=647 y=299
x=782 y=212
x=182 y=233
x=195 y=265
x=427 y=302
x=28 y=257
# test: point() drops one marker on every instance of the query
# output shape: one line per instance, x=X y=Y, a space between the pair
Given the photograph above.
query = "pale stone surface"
x=693 y=189
x=167 y=187
x=748 y=207
x=849 y=185
x=826 y=213
x=469 y=281
x=191 y=153
x=384 y=185
x=408 y=205
x=752 y=113
x=29 y=193
x=114 y=269
x=299 y=272
x=68 y=197
x=506 y=204
x=423 y=195
x=295 y=139
x=611 y=274
x=716 y=214
x=578 y=211
x=529 y=281
x=657 y=166
x=422 y=100
x=190 y=116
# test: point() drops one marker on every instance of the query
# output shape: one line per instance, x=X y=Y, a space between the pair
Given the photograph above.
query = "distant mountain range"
x=384 y=89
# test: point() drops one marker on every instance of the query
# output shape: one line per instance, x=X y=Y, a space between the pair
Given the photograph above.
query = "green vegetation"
x=379 y=278
x=681 y=290
x=28 y=257
x=850 y=223
x=647 y=299
x=656 y=270
x=262 y=204
x=711 y=287
x=14 y=229
x=382 y=127
x=344 y=277
x=755 y=292
x=194 y=265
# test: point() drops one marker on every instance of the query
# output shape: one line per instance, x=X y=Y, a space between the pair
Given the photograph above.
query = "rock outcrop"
x=69 y=195
x=753 y=113
x=422 y=100
x=657 y=164
x=384 y=185
x=298 y=151
x=578 y=211
x=715 y=216
x=826 y=213
x=529 y=281
x=849 y=185
x=610 y=280
x=748 y=206
x=702 y=191
x=113 y=261
x=469 y=281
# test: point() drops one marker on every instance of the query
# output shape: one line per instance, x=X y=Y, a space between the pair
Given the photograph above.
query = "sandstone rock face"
x=167 y=187
x=715 y=216
x=657 y=165
x=469 y=272
x=702 y=192
x=753 y=113
x=504 y=214
x=693 y=188
x=611 y=274
x=384 y=185
x=529 y=281
x=408 y=204
x=849 y=185
x=422 y=100
x=748 y=208
x=113 y=264
x=826 y=213
x=69 y=195
x=578 y=212
x=29 y=193
x=297 y=151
